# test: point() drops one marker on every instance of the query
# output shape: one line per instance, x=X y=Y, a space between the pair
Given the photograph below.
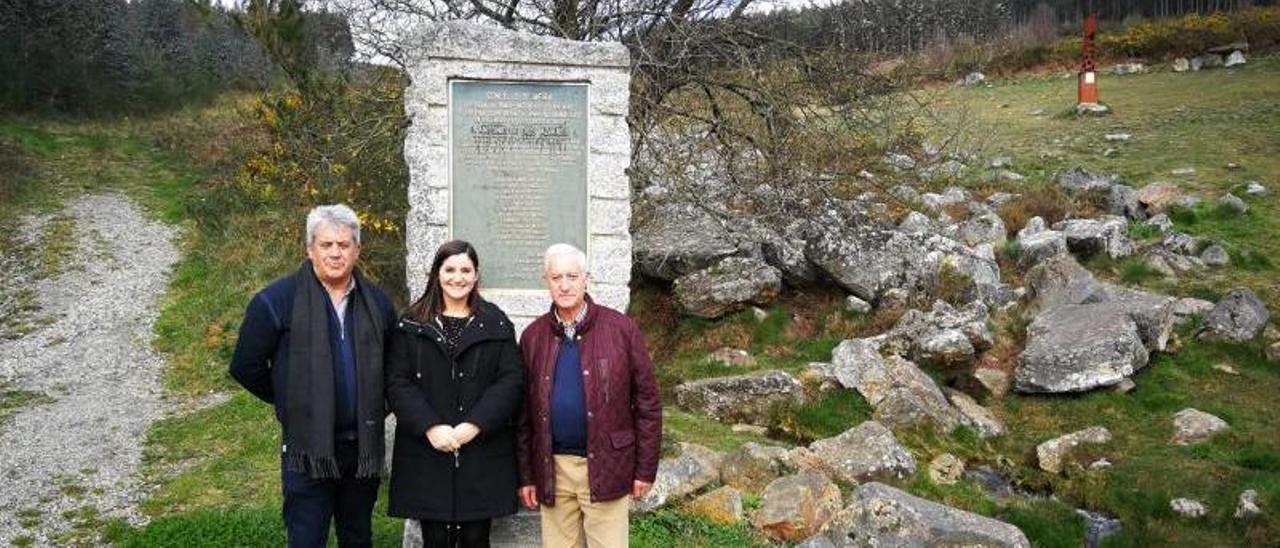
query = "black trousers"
x=462 y=534
x=310 y=504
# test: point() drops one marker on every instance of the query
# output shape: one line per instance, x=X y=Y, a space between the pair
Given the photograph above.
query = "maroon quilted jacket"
x=624 y=416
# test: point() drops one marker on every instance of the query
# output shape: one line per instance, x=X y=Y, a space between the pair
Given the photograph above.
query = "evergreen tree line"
x=903 y=26
x=1067 y=11
x=92 y=56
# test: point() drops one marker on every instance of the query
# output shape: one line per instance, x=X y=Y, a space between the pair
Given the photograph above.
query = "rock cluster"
x=741 y=398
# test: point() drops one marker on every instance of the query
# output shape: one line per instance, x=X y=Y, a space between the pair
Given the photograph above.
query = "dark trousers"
x=309 y=504
x=463 y=534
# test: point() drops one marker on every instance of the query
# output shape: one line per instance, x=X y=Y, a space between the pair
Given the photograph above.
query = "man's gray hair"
x=336 y=215
x=557 y=250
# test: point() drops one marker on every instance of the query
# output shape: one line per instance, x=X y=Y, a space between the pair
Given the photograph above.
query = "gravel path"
x=76 y=455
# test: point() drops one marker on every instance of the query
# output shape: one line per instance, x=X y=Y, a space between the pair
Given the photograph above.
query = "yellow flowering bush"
x=1194 y=33
x=1157 y=39
x=1188 y=35
x=336 y=140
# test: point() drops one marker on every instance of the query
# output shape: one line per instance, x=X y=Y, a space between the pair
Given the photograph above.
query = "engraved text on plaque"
x=518 y=173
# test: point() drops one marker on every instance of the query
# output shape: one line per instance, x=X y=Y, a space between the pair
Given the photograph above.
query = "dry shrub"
x=656 y=311
x=731 y=334
x=1259 y=26
x=1050 y=202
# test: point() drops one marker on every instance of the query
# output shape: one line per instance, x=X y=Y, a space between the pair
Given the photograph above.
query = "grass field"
x=1204 y=121
x=216 y=469
x=1201 y=120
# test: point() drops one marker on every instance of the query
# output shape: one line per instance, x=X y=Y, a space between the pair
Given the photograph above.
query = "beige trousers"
x=605 y=524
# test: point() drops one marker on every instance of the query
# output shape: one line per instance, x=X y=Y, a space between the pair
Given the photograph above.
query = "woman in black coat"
x=454 y=381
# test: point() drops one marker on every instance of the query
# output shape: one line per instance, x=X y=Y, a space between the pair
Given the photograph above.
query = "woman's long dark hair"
x=431 y=303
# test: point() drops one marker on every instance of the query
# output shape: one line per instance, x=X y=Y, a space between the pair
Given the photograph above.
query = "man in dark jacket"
x=592 y=426
x=311 y=344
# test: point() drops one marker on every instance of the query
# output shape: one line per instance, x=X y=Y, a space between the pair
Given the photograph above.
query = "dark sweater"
x=261 y=357
x=568 y=403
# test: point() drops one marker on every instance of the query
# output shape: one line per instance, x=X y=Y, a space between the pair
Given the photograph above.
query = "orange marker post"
x=1088 y=85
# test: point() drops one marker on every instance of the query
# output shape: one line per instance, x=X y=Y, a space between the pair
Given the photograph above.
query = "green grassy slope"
x=216 y=469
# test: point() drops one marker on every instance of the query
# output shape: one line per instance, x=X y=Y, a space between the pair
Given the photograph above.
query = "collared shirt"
x=340 y=307
x=571 y=328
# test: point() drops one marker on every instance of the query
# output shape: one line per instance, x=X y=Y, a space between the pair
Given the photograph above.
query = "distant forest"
x=107 y=55
x=901 y=26
x=138 y=55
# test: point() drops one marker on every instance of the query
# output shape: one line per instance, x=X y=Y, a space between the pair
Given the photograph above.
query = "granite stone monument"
x=517 y=142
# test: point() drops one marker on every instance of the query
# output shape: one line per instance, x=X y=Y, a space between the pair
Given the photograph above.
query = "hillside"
x=211 y=464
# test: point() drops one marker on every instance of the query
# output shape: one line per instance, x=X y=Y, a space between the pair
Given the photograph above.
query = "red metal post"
x=1088 y=90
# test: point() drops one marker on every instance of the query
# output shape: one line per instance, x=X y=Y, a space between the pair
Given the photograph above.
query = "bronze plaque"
x=518 y=174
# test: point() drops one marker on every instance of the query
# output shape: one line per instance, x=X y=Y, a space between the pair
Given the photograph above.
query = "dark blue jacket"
x=261 y=360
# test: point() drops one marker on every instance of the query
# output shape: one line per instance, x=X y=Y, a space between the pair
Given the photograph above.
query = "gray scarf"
x=309 y=411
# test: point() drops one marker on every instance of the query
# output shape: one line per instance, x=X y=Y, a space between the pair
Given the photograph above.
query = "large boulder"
x=1107 y=235
x=983 y=421
x=1036 y=243
x=916 y=328
x=1232 y=204
x=794 y=508
x=863 y=452
x=1122 y=200
x=1062 y=281
x=744 y=398
x=952 y=270
x=946 y=469
x=900 y=392
x=784 y=250
x=1057 y=281
x=1186 y=308
x=879 y=515
x=1238 y=317
x=695 y=468
x=681 y=239
x=1205 y=61
x=1080 y=180
x=865 y=260
x=1052 y=455
x=987 y=228
x=727 y=286
x=1186 y=507
x=917 y=223
x=723 y=505
x=1247 y=505
x=946 y=348
x=1158 y=196
x=753 y=466
x=949 y=197
x=1151 y=313
x=1182 y=243
x=1170 y=263
x=1192 y=426
x=1073 y=348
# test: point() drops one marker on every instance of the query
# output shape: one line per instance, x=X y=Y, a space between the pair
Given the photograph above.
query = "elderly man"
x=311 y=345
x=590 y=434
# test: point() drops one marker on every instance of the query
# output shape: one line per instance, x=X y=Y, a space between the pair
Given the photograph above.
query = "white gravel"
x=82 y=448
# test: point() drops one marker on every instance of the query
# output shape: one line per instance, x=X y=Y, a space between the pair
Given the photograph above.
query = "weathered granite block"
x=460 y=51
